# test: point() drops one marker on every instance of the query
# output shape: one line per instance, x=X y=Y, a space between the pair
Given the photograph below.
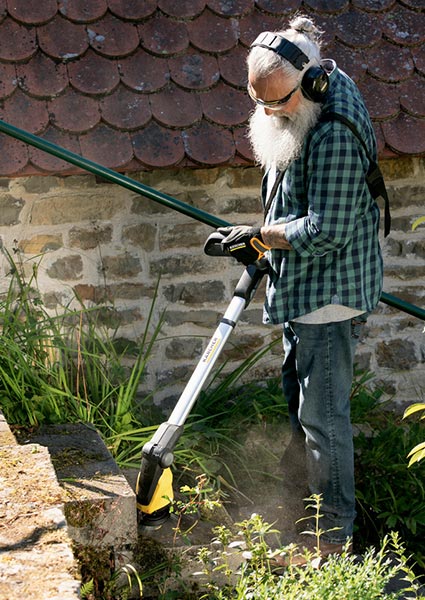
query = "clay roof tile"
x=111 y=36
x=48 y=162
x=412 y=96
x=373 y=5
x=32 y=13
x=126 y=110
x=17 y=42
x=253 y=24
x=174 y=107
x=107 y=146
x=242 y=145
x=349 y=60
x=143 y=72
x=93 y=74
x=8 y=79
x=382 y=100
x=74 y=112
x=162 y=35
x=14 y=156
x=233 y=67
x=419 y=59
x=327 y=6
x=209 y=144
x=236 y=8
x=194 y=70
x=23 y=111
x=132 y=10
x=42 y=77
x=183 y=9
x=389 y=62
x=358 y=29
x=405 y=134
x=226 y=105
x=82 y=11
x=404 y=27
x=162 y=83
x=212 y=33
x=277 y=7
x=62 y=40
x=157 y=146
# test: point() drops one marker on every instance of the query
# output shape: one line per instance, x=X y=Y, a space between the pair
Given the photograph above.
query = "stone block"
x=6 y=436
x=67 y=268
x=201 y=317
x=397 y=354
x=88 y=238
x=184 y=348
x=100 y=506
x=195 y=293
x=121 y=266
x=41 y=243
x=10 y=209
x=142 y=235
x=67 y=208
x=180 y=236
x=36 y=559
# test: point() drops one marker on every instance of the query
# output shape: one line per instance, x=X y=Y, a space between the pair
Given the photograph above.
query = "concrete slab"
x=6 y=436
x=36 y=560
x=100 y=506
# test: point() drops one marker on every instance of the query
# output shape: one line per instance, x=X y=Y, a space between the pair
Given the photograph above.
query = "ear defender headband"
x=315 y=81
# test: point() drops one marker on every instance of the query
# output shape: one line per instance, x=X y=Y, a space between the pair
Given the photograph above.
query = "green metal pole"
x=407 y=307
x=148 y=192
x=112 y=176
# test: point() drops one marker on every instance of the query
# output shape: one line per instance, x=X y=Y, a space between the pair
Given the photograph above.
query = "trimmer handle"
x=213 y=245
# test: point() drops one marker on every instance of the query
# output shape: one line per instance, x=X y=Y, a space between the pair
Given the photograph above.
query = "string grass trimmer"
x=154 y=489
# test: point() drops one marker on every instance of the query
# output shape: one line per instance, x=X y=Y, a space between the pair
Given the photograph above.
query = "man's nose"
x=268 y=111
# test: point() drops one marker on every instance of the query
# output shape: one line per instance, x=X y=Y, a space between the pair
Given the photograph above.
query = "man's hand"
x=243 y=243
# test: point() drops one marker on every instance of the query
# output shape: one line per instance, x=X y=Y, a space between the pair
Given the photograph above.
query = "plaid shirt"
x=332 y=220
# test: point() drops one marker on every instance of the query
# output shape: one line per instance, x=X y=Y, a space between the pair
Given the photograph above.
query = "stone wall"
x=111 y=247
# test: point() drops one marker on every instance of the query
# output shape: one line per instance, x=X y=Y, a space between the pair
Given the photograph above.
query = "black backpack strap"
x=278 y=179
x=374 y=178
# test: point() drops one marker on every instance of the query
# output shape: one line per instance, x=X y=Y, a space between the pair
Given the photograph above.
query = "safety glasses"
x=272 y=104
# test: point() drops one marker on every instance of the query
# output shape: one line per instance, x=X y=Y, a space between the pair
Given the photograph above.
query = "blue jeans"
x=317 y=375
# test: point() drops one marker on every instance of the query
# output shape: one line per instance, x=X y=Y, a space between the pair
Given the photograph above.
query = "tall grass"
x=69 y=367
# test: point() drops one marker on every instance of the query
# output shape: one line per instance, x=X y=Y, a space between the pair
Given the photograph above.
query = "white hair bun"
x=305 y=26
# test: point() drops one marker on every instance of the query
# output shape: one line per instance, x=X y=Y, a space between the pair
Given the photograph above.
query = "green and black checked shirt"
x=332 y=219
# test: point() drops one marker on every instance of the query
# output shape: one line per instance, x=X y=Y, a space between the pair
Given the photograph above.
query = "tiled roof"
x=143 y=84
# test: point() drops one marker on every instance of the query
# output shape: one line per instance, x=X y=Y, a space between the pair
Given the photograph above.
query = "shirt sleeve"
x=336 y=187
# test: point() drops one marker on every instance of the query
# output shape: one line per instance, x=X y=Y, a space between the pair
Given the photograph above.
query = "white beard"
x=279 y=140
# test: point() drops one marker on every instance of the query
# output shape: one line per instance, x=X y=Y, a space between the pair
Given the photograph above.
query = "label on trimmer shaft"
x=211 y=349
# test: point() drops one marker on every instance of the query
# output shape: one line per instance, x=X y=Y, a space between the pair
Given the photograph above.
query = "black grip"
x=213 y=245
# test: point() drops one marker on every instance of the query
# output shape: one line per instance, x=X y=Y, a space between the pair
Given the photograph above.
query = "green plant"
x=390 y=496
x=68 y=367
x=340 y=576
x=418 y=452
x=418 y=222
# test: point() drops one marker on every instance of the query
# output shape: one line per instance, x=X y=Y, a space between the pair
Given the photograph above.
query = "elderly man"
x=321 y=230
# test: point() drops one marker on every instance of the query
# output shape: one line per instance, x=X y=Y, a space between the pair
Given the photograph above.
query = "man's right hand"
x=243 y=243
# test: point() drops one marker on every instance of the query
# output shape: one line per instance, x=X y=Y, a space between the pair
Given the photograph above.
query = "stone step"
x=62 y=497
x=100 y=506
x=36 y=560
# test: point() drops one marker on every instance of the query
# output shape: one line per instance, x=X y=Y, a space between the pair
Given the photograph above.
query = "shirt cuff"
x=297 y=235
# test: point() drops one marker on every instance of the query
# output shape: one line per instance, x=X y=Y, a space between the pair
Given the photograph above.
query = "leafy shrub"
x=390 y=495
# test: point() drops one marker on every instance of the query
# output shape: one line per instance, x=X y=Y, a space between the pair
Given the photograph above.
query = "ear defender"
x=315 y=81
